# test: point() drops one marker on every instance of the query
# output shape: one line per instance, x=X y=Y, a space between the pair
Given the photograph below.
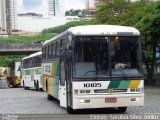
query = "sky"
x=36 y=5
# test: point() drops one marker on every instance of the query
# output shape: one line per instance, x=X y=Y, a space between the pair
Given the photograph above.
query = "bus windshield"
x=96 y=57
x=125 y=56
x=90 y=57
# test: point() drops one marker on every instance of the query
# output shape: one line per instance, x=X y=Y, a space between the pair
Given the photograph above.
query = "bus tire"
x=70 y=110
x=46 y=86
x=37 y=86
x=49 y=97
x=34 y=84
x=122 y=109
x=25 y=88
x=23 y=84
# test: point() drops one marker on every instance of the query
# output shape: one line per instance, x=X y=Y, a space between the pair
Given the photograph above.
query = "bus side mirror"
x=68 y=53
x=69 y=47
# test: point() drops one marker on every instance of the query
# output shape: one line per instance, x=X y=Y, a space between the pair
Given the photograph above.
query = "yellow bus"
x=13 y=73
x=3 y=73
x=95 y=66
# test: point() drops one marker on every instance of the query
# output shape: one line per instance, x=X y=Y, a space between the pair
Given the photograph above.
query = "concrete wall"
x=39 y=23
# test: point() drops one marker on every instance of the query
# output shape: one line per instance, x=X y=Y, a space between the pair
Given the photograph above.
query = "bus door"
x=68 y=81
x=65 y=82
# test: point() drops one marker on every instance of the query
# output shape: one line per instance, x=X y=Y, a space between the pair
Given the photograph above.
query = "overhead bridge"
x=19 y=48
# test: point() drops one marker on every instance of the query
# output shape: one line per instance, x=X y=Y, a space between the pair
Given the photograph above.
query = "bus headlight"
x=84 y=101
x=135 y=99
x=76 y=91
x=136 y=90
x=85 y=91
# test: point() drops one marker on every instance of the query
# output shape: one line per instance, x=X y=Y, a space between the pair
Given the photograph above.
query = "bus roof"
x=102 y=30
x=32 y=55
x=92 y=30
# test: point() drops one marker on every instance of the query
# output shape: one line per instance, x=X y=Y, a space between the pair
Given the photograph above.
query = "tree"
x=143 y=15
x=64 y=27
x=111 y=11
x=73 y=12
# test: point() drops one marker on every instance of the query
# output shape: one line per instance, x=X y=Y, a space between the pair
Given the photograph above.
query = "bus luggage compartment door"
x=62 y=87
x=62 y=96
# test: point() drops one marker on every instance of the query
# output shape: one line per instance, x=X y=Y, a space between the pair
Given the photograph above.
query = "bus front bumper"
x=99 y=101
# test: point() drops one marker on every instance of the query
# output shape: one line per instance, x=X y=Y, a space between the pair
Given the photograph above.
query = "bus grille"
x=110 y=90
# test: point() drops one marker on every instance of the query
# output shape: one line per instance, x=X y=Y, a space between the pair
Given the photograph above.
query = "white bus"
x=95 y=66
x=32 y=71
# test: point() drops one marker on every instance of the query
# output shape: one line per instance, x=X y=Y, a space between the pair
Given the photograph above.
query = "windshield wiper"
x=102 y=71
x=123 y=73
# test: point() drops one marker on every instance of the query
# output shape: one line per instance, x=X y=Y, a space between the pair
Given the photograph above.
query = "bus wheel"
x=122 y=109
x=37 y=86
x=46 y=86
x=26 y=88
x=70 y=110
x=49 y=97
x=24 y=85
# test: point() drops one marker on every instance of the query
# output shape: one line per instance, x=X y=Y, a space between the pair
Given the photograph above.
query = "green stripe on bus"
x=26 y=72
x=56 y=68
x=124 y=84
x=38 y=71
x=114 y=84
x=55 y=87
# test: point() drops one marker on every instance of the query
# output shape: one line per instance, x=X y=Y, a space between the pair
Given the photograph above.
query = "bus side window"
x=45 y=53
x=48 y=55
x=50 y=52
x=58 y=48
x=53 y=50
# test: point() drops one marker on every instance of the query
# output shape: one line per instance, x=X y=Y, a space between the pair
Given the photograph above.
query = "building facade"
x=2 y=15
x=8 y=15
x=89 y=4
x=53 y=7
x=39 y=23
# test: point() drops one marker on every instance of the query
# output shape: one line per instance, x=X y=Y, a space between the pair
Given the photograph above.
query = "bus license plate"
x=110 y=100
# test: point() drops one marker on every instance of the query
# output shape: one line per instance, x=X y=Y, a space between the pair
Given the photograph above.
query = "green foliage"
x=36 y=38
x=112 y=11
x=143 y=15
x=79 y=12
x=73 y=12
x=64 y=27
x=5 y=60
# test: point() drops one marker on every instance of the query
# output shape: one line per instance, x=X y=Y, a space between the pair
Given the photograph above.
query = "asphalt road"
x=17 y=103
